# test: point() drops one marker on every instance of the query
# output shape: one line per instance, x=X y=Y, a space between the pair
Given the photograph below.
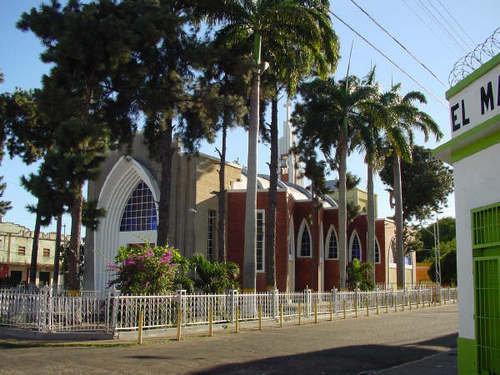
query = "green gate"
x=486 y=245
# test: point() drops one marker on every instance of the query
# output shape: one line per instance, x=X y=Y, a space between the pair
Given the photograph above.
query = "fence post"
x=260 y=317
x=300 y=312
x=386 y=302
x=307 y=301
x=237 y=321
x=234 y=304
x=274 y=303
x=316 y=312
x=356 y=302
x=181 y=301
x=210 y=321
x=281 y=315
x=114 y=311
x=343 y=307
x=139 y=329
x=50 y=310
x=334 y=302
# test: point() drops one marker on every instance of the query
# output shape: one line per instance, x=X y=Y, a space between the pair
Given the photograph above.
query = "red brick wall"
x=306 y=269
x=380 y=269
x=236 y=234
x=330 y=217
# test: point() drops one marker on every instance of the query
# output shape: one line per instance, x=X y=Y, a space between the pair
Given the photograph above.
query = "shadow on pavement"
x=354 y=359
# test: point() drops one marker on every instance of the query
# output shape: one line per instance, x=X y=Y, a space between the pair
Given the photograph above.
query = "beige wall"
x=358 y=197
x=207 y=184
x=13 y=237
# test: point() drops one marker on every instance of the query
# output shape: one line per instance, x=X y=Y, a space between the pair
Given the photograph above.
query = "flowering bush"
x=145 y=270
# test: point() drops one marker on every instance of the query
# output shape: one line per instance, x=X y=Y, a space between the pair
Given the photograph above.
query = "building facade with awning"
x=474 y=152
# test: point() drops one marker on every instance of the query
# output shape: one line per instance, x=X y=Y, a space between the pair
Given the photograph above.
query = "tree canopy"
x=426 y=182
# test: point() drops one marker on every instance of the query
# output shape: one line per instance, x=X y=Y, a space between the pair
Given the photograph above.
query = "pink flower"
x=149 y=253
x=129 y=262
x=166 y=258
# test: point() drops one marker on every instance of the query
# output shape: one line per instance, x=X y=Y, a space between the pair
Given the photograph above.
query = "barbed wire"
x=474 y=59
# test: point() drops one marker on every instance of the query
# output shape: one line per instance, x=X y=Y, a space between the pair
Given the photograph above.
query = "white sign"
x=476 y=103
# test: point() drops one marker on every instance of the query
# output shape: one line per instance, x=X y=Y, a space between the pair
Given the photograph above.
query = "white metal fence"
x=58 y=311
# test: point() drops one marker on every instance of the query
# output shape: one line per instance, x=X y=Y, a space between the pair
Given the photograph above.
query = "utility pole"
x=437 y=254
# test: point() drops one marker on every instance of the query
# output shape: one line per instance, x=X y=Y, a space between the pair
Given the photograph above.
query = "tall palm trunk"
x=370 y=249
x=166 y=152
x=249 y=281
x=74 y=244
x=273 y=189
x=34 y=250
x=398 y=216
x=342 y=150
x=57 y=254
x=221 y=217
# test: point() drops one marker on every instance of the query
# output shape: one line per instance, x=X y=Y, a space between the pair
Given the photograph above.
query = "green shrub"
x=147 y=270
x=359 y=275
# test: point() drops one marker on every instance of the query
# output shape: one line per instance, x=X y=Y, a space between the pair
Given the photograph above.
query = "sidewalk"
x=437 y=364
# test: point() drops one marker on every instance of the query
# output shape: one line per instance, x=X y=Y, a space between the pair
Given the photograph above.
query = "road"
x=350 y=346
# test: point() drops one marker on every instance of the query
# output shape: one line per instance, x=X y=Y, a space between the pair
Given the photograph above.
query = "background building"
x=16 y=243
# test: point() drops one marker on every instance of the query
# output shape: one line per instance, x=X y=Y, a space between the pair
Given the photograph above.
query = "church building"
x=306 y=228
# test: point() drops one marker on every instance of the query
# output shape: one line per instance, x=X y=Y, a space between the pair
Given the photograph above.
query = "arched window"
x=139 y=213
x=332 y=251
x=355 y=247
x=377 y=252
x=304 y=243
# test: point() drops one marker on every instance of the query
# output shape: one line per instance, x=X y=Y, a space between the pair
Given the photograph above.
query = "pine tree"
x=80 y=100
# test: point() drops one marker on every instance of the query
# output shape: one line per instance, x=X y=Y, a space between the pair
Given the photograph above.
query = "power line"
x=429 y=13
x=390 y=60
x=436 y=34
x=450 y=25
x=398 y=42
x=456 y=22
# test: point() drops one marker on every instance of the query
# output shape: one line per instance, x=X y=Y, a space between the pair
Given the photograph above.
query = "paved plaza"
x=351 y=346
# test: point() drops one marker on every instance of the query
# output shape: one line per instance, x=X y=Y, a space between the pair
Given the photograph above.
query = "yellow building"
x=357 y=197
x=16 y=243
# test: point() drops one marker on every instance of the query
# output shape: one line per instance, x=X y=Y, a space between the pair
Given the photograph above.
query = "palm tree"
x=329 y=117
x=277 y=25
x=304 y=54
x=370 y=141
x=403 y=117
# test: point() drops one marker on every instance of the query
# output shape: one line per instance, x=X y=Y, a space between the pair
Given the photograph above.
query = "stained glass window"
x=332 y=245
x=355 y=247
x=377 y=252
x=305 y=241
x=140 y=211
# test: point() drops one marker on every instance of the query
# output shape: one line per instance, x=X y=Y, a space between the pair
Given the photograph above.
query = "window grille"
x=212 y=216
x=486 y=226
x=260 y=240
x=139 y=213
x=21 y=250
x=487 y=317
x=486 y=241
x=46 y=253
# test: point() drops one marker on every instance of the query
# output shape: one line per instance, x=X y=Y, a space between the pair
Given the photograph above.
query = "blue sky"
x=409 y=20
